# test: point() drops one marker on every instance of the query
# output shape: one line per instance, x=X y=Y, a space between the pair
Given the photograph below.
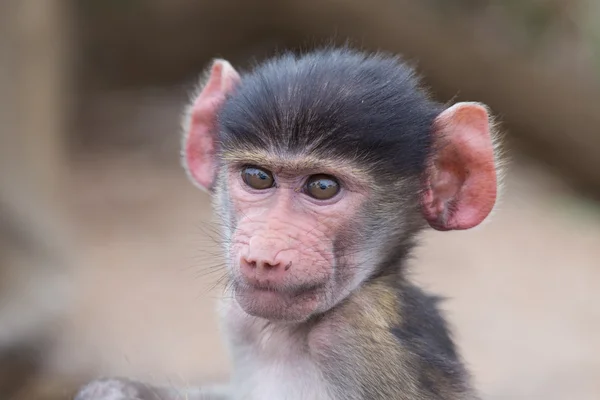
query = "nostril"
x=248 y=263
x=268 y=265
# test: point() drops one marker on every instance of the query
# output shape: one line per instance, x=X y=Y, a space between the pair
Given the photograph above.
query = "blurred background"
x=107 y=265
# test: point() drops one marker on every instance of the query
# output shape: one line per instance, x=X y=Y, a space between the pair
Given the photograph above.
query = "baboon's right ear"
x=199 y=145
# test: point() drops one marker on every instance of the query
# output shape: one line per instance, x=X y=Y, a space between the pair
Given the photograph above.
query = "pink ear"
x=200 y=136
x=461 y=182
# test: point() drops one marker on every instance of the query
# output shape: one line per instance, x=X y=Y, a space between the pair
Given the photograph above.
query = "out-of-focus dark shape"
x=34 y=226
x=536 y=63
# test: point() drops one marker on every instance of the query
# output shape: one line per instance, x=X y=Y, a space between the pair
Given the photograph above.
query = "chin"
x=279 y=306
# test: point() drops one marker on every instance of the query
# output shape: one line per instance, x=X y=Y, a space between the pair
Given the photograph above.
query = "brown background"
x=107 y=262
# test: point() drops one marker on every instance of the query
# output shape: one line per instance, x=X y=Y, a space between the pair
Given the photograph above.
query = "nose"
x=265 y=267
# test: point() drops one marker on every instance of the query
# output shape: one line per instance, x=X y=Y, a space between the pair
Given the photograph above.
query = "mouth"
x=283 y=290
x=279 y=303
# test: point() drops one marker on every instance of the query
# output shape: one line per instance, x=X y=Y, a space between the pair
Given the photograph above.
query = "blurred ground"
x=523 y=289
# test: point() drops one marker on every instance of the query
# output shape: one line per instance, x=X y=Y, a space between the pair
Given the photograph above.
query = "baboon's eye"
x=322 y=187
x=257 y=178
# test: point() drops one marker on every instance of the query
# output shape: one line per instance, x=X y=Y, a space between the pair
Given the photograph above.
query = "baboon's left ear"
x=461 y=185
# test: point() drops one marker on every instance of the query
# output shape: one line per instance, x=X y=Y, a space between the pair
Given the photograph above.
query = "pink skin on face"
x=282 y=249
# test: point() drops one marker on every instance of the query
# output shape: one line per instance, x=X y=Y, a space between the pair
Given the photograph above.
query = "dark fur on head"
x=333 y=102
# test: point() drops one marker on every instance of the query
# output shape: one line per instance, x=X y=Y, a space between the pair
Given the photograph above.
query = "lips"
x=284 y=290
x=295 y=302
